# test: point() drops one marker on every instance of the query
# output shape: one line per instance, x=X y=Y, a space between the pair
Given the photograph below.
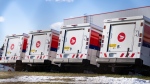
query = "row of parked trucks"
x=122 y=45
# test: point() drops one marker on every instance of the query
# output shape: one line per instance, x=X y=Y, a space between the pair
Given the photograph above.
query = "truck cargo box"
x=126 y=40
x=14 y=47
x=79 y=43
x=42 y=46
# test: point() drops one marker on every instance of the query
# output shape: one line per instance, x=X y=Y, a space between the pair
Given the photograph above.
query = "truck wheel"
x=9 y=70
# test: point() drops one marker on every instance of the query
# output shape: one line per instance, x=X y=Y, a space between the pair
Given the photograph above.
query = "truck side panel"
x=94 y=46
x=54 y=43
x=145 y=50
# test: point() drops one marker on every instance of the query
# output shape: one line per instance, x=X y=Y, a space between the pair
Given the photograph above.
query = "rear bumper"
x=3 y=61
x=71 y=61
x=119 y=60
x=37 y=61
x=11 y=61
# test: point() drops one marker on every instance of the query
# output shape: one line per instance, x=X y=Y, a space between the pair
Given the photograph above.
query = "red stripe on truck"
x=95 y=38
x=81 y=55
x=122 y=55
x=60 y=55
x=73 y=55
x=25 y=40
x=55 y=40
x=105 y=54
x=132 y=54
x=146 y=33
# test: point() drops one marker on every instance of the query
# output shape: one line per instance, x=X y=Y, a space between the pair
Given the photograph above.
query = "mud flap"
x=47 y=62
x=85 y=62
x=19 y=66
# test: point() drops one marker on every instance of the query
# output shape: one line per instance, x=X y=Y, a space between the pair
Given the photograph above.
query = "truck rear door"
x=121 y=37
x=38 y=42
x=73 y=41
x=12 y=46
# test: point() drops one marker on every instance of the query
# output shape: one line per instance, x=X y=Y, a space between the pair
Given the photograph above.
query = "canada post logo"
x=72 y=40
x=121 y=37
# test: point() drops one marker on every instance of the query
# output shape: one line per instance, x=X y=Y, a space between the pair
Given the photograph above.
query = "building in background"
x=97 y=19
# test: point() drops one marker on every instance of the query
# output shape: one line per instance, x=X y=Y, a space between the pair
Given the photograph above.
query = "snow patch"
x=87 y=80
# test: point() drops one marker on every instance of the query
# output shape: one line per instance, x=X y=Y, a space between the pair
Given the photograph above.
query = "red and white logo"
x=12 y=46
x=38 y=43
x=121 y=37
x=72 y=40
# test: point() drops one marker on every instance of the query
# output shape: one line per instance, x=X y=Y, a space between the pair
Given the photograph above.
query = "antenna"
x=88 y=18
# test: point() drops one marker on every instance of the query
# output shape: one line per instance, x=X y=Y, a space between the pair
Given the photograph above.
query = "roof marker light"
x=39 y=30
x=74 y=25
x=122 y=18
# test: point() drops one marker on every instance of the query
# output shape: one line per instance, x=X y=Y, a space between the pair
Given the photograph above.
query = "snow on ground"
x=87 y=80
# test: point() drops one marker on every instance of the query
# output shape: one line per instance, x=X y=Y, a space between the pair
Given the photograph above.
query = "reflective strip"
x=16 y=57
x=37 y=57
x=43 y=56
x=122 y=55
x=11 y=57
x=40 y=57
x=73 y=56
x=105 y=54
x=81 y=55
x=60 y=55
x=132 y=54
x=28 y=57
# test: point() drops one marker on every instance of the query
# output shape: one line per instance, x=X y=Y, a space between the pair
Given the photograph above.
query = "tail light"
x=102 y=41
x=140 y=34
x=87 y=43
x=88 y=30
x=104 y=27
x=141 y=23
x=87 y=39
x=103 y=36
x=140 y=39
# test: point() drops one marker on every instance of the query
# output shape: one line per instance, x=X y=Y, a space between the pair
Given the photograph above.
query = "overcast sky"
x=22 y=16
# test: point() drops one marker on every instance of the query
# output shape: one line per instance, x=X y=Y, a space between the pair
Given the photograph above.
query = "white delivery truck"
x=41 y=47
x=13 y=48
x=79 y=44
x=126 y=43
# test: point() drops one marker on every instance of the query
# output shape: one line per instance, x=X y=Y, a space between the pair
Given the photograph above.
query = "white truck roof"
x=126 y=19
x=82 y=25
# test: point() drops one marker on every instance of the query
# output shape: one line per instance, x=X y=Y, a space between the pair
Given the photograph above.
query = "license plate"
x=66 y=48
x=8 y=52
x=112 y=45
x=33 y=50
